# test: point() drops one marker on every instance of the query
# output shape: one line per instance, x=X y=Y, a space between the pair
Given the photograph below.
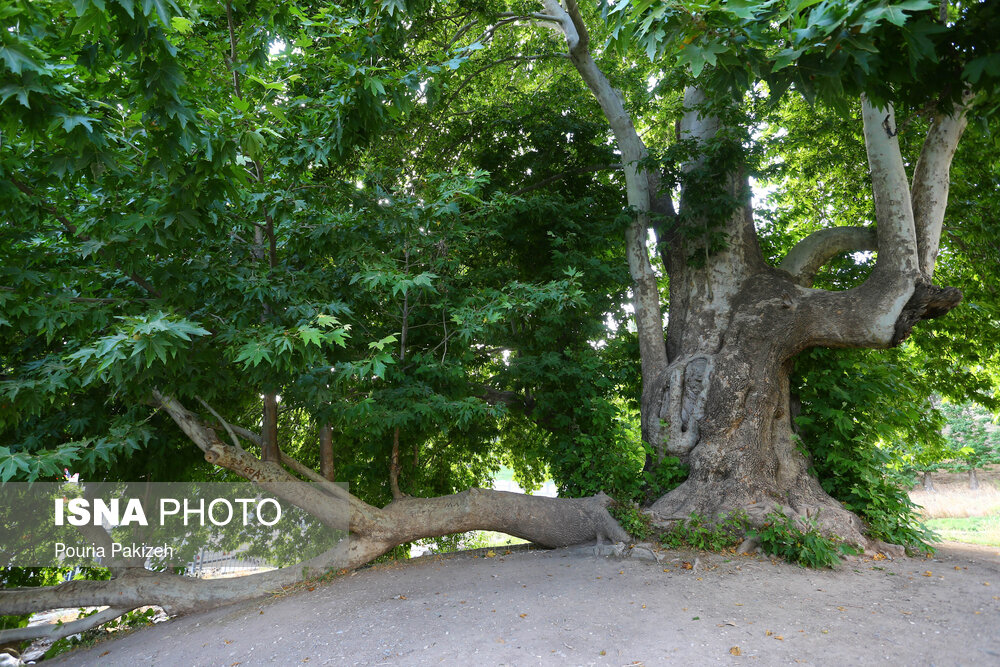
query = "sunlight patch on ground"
x=972 y=530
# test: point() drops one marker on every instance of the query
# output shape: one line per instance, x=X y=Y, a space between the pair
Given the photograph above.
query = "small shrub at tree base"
x=784 y=537
x=631 y=519
x=849 y=432
x=699 y=533
x=665 y=477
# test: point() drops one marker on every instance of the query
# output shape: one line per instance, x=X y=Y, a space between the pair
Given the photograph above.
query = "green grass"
x=971 y=530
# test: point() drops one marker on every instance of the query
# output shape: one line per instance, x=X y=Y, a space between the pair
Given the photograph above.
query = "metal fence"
x=210 y=564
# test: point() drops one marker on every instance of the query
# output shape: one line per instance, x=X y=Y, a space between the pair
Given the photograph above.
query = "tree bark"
x=728 y=417
x=269 y=430
x=928 y=482
x=973 y=479
x=326 y=466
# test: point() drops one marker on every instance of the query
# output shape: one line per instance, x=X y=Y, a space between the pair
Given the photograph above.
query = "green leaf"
x=989 y=65
x=18 y=59
x=128 y=6
x=252 y=143
x=311 y=335
x=182 y=25
x=70 y=122
x=162 y=9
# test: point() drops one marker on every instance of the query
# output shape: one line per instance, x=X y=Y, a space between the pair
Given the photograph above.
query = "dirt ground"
x=566 y=607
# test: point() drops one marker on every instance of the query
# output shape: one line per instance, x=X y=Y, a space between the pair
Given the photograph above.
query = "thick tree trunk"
x=928 y=481
x=721 y=402
x=726 y=413
x=973 y=479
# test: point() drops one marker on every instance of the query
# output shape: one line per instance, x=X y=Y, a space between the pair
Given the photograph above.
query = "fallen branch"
x=56 y=631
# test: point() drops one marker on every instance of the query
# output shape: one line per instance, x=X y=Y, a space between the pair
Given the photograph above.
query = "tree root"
x=808 y=509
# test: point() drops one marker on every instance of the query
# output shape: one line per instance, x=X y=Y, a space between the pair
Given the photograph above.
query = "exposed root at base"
x=808 y=510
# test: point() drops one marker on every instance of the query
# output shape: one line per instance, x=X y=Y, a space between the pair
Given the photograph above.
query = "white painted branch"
x=897 y=236
x=931 y=180
x=810 y=254
x=649 y=318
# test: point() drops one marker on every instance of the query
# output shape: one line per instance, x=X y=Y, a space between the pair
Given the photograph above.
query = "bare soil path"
x=564 y=607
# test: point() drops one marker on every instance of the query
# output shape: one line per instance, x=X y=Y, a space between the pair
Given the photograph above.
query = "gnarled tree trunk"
x=715 y=388
x=722 y=402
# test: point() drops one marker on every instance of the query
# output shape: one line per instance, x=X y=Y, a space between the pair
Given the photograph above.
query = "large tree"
x=379 y=242
x=717 y=392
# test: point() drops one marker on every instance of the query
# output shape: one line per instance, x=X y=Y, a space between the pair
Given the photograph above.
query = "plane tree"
x=268 y=230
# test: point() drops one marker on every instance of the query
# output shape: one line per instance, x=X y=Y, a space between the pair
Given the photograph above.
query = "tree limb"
x=897 y=236
x=54 y=631
x=931 y=180
x=645 y=288
x=809 y=255
x=225 y=424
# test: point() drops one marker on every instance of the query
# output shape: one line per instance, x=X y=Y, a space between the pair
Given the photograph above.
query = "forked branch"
x=931 y=179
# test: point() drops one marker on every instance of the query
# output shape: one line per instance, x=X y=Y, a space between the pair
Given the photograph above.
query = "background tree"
x=972 y=444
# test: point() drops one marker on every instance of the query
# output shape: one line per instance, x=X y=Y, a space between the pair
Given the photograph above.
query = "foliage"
x=787 y=538
x=635 y=523
x=830 y=50
x=698 y=532
x=855 y=437
x=136 y=618
x=236 y=222
x=410 y=230
x=664 y=477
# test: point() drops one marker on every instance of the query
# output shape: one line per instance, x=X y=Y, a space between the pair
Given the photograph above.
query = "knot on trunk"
x=928 y=301
x=681 y=394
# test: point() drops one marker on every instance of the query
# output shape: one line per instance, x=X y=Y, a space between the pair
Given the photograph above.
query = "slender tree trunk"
x=269 y=430
x=263 y=235
x=326 y=452
x=973 y=480
x=394 y=467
